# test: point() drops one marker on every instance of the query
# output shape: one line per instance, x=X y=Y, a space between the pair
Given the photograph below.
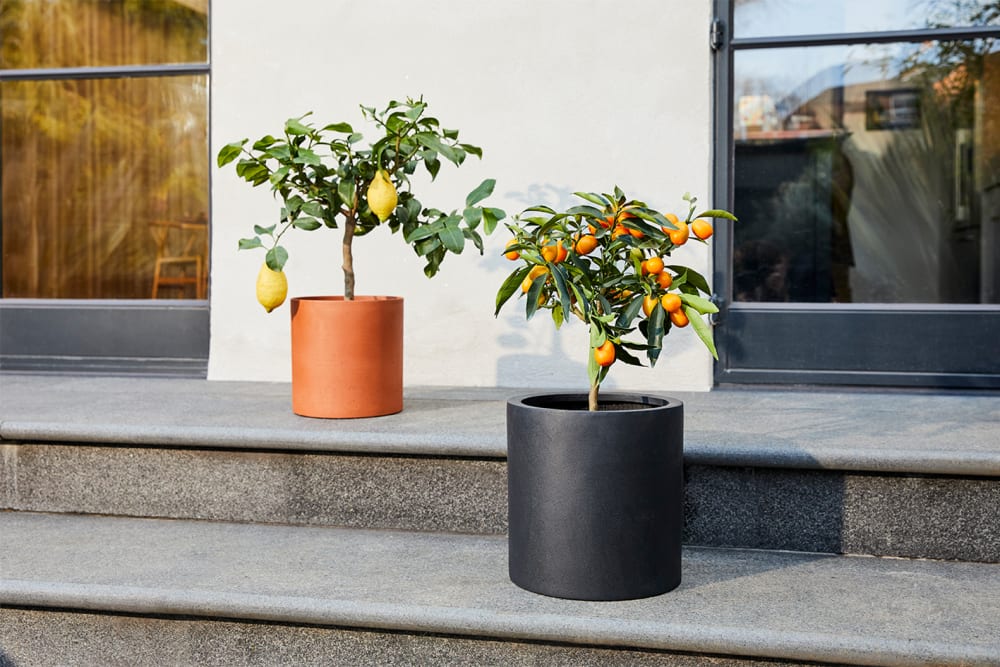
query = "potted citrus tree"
x=595 y=481
x=347 y=351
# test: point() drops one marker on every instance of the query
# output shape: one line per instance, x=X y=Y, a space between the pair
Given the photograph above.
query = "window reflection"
x=868 y=174
x=772 y=18
x=90 y=33
x=104 y=180
x=87 y=183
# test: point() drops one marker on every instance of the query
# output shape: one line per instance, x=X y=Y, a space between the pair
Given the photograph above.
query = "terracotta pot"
x=347 y=356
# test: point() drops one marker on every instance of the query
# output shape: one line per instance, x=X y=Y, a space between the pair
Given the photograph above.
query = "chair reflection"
x=180 y=261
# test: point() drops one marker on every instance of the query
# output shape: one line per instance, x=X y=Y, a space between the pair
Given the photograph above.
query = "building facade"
x=856 y=143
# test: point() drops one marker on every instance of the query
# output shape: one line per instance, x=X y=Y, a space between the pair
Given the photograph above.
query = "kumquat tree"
x=326 y=177
x=603 y=262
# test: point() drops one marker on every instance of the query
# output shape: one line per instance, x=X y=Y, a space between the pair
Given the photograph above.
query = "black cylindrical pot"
x=595 y=499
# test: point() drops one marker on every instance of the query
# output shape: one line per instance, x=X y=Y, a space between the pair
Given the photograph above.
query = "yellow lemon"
x=272 y=288
x=382 y=196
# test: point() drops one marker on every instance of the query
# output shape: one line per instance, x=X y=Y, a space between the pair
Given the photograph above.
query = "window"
x=105 y=184
x=862 y=154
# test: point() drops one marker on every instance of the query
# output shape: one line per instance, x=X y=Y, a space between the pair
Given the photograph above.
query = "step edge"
x=477 y=623
x=850 y=459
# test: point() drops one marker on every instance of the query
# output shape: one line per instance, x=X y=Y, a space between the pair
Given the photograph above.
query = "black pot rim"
x=649 y=401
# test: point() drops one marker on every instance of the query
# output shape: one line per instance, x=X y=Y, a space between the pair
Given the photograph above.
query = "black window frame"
x=160 y=338
x=898 y=345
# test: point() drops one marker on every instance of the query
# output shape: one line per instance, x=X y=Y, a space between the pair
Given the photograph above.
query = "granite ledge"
x=732 y=602
x=884 y=432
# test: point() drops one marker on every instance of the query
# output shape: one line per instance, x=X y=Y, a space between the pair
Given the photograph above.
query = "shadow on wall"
x=536 y=370
x=531 y=365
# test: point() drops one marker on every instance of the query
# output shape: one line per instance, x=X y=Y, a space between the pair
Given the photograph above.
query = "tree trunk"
x=348 y=259
x=592 y=397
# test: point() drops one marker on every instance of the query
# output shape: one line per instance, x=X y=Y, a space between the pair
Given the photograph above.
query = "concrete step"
x=78 y=589
x=897 y=474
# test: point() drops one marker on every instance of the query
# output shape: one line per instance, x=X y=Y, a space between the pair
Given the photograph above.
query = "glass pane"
x=771 y=18
x=78 y=33
x=868 y=174
x=105 y=188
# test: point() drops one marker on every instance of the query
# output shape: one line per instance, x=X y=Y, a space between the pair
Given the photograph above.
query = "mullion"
x=881 y=37
x=117 y=72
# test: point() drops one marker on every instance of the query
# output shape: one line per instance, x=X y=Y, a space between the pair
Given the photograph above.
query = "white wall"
x=562 y=96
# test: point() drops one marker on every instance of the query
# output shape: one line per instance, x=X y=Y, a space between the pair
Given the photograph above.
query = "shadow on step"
x=842 y=512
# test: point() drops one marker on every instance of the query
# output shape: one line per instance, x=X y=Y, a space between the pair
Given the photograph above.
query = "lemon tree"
x=327 y=177
x=606 y=263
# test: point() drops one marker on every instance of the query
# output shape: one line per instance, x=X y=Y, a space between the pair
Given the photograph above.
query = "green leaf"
x=414 y=112
x=593 y=198
x=597 y=335
x=593 y=370
x=469 y=148
x=691 y=277
x=654 y=334
x=264 y=231
x=280 y=151
x=557 y=315
x=717 y=213
x=537 y=285
x=452 y=236
x=510 y=287
x=276 y=258
x=312 y=208
x=473 y=216
x=476 y=239
x=623 y=355
x=560 y=277
x=581 y=299
x=294 y=127
x=425 y=231
x=433 y=166
x=629 y=312
x=230 y=152
x=429 y=140
x=482 y=191
x=249 y=244
x=428 y=246
x=307 y=156
x=346 y=190
x=540 y=209
x=343 y=128
x=703 y=306
x=395 y=123
x=589 y=211
x=279 y=175
x=263 y=142
x=490 y=219
x=702 y=329
x=307 y=224
x=604 y=303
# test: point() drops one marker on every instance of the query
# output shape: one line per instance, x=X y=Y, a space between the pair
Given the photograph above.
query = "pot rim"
x=650 y=401
x=366 y=298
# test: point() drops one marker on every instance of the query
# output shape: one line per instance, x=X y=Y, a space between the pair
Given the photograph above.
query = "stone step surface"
x=145 y=585
x=861 y=431
x=788 y=472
